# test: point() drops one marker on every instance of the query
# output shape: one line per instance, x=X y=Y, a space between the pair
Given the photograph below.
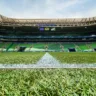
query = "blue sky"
x=48 y=8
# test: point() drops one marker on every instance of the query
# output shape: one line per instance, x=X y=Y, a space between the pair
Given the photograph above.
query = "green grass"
x=77 y=58
x=48 y=82
x=33 y=57
x=19 y=57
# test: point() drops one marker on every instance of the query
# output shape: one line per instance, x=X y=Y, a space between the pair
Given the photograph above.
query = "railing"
x=55 y=25
x=58 y=37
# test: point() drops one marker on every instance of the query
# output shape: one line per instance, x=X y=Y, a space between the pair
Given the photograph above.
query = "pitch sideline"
x=47 y=61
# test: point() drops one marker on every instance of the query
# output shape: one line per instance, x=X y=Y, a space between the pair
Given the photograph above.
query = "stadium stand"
x=55 y=47
x=48 y=34
x=67 y=46
x=93 y=45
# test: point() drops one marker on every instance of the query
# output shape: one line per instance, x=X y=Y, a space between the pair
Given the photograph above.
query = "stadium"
x=48 y=34
x=43 y=53
x=48 y=37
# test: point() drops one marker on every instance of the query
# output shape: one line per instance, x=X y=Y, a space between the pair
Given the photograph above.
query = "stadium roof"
x=66 y=21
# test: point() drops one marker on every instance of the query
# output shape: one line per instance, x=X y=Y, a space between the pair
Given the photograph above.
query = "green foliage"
x=48 y=82
x=19 y=57
x=75 y=58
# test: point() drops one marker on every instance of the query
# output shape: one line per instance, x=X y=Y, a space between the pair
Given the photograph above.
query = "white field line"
x=23 y=66
x=47 y=61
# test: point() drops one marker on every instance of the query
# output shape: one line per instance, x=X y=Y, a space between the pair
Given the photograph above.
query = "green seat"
x=54 y=47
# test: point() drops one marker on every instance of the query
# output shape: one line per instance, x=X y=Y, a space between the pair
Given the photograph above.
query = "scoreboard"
x=47 y=29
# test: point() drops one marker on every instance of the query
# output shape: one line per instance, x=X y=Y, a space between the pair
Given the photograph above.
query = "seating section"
x=39 y=45
x=1 y=44
x=15 y=46
x=67 y=46
x=93 y=45
x=80 y=47
x=5 y=46
x=54 y=47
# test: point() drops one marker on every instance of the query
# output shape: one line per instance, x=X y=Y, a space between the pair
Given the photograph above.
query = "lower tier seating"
x=80 y=47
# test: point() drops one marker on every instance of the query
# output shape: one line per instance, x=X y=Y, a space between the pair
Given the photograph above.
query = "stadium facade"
x=48 y=30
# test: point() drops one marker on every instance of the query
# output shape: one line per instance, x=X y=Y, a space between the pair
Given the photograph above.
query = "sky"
x=48 y=8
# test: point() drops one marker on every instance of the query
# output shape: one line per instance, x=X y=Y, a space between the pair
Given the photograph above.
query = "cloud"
x=46 y=9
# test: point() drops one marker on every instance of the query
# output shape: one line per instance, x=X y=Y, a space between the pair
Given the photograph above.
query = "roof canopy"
x=66 y=21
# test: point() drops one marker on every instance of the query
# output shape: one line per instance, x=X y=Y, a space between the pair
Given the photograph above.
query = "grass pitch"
x=48 y=82
x=33 y=57
x=20 y=58
x=75 y=58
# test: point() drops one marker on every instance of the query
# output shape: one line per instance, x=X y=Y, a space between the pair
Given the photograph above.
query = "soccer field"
x=48 y=82
x=75 y=58
x=20 y=58
x=34 y=57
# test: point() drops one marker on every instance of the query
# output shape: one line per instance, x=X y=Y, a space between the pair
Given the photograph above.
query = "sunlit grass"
x=48 y=82
x=33 y=57
x=75 y=58
x=19 y=57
